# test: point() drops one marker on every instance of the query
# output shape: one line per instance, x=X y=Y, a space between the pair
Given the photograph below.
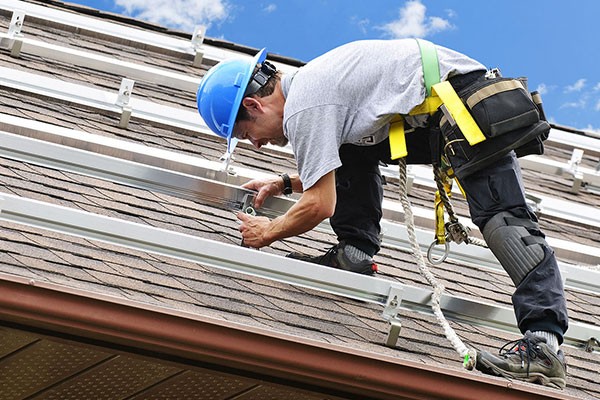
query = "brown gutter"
x=122 y=322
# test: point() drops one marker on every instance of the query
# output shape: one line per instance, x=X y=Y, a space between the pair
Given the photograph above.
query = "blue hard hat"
x=221 y=92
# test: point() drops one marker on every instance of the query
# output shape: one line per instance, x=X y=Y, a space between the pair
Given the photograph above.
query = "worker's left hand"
x=253 y=229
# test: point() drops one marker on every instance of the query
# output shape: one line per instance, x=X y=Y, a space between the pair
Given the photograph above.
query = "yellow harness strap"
x=397 y=140
x=440 y=228
x=437 y=94
x=459 y=112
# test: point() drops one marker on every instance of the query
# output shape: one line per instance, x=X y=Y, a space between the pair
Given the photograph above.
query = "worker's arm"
x=316 y=204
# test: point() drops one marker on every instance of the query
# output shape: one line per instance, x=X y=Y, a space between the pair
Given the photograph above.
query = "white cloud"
x=597 y=87
x=362 y=24
x=270 y=8
x=413 y=22
x=180 y=14
x=542 y=89
x=451 y=13
x=597 y=107
x=576 y=87
x=590 y=128
x=574 y=104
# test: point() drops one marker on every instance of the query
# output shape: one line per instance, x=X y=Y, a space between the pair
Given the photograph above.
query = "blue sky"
x=552 y=42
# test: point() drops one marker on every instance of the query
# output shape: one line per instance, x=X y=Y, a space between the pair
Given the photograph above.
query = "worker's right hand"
x=265 y=187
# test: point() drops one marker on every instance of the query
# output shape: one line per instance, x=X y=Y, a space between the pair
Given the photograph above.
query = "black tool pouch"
x=507 y=116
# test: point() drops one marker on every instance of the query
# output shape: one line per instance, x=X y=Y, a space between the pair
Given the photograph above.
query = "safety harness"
x=439 y=94
x=502 y=116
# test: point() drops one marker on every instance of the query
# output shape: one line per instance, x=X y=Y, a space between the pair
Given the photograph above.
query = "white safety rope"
x=468 y=355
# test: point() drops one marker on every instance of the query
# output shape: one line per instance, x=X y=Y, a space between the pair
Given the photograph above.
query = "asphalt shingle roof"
x=182 y=285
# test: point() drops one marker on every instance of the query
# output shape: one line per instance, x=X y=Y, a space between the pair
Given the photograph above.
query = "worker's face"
x=259 y=134
x=263 y=127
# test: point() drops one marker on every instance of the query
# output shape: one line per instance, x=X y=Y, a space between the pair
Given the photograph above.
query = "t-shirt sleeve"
x=315 y=136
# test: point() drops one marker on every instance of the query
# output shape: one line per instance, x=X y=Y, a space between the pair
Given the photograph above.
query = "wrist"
x=287 y=184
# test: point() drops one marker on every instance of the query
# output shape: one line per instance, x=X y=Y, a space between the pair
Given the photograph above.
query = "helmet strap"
x=260 y=78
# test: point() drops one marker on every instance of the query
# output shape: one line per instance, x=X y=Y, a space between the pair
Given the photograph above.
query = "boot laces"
x=329 y=254
x=524 y=348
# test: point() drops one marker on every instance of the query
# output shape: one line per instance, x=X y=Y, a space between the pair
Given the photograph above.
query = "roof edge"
x=197 y=338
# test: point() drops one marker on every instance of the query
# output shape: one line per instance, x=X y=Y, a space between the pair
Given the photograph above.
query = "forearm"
x=316 y=204
x=300 y=218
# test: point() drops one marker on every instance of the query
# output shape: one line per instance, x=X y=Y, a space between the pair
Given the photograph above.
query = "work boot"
x=337 y=257
x=528 y=359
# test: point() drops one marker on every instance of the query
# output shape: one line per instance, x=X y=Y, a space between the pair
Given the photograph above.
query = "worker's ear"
x=252 y=105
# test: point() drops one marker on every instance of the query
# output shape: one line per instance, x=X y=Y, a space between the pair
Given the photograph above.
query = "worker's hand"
x=253 y=229
x=265 y=187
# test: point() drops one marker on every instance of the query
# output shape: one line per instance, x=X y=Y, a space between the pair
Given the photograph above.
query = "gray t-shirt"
x=350 y=94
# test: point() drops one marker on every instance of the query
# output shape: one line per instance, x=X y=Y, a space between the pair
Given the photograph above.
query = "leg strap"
x=511 y=240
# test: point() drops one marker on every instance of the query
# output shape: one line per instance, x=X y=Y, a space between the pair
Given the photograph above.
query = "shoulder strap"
x=431 y=66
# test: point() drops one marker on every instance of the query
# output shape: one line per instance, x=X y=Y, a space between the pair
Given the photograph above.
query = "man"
x=336 y=112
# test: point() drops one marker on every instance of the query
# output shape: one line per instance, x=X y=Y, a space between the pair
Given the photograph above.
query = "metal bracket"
x=123 y=99
x=125 y=116
x=228 y=159
x=16 y=23
x=197 y=40
x=535 y=203
x=125 y=91
x=390 y=313
x=13 y=40
x=576 y=158
x=248 y=204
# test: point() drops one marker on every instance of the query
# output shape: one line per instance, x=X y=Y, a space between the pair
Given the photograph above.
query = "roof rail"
x=392 y=295
x=191 y=120
x=195 y=46
x=191 y=178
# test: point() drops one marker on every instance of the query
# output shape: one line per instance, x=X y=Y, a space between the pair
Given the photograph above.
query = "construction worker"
x=336 y=112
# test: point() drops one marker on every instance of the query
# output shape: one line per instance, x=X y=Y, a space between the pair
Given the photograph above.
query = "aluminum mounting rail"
x=103 y=63
x=588 y=143
x=193 y=47
x=102 y=100
x=198 y=180
x=393 y=296
x=546 y=205
x=96 y=25
x=188 y=119
x=581 y=176
x=211 y=170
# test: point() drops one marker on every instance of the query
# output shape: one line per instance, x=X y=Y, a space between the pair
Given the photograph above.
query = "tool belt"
x=481 y=122
x=507 y=117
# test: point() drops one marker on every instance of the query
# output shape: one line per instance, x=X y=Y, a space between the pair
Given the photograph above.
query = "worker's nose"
x=255 y=143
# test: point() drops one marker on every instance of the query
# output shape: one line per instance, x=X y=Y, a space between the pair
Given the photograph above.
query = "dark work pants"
x=538 y=301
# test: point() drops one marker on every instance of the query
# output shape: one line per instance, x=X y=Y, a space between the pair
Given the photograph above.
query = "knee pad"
x=509 y=238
